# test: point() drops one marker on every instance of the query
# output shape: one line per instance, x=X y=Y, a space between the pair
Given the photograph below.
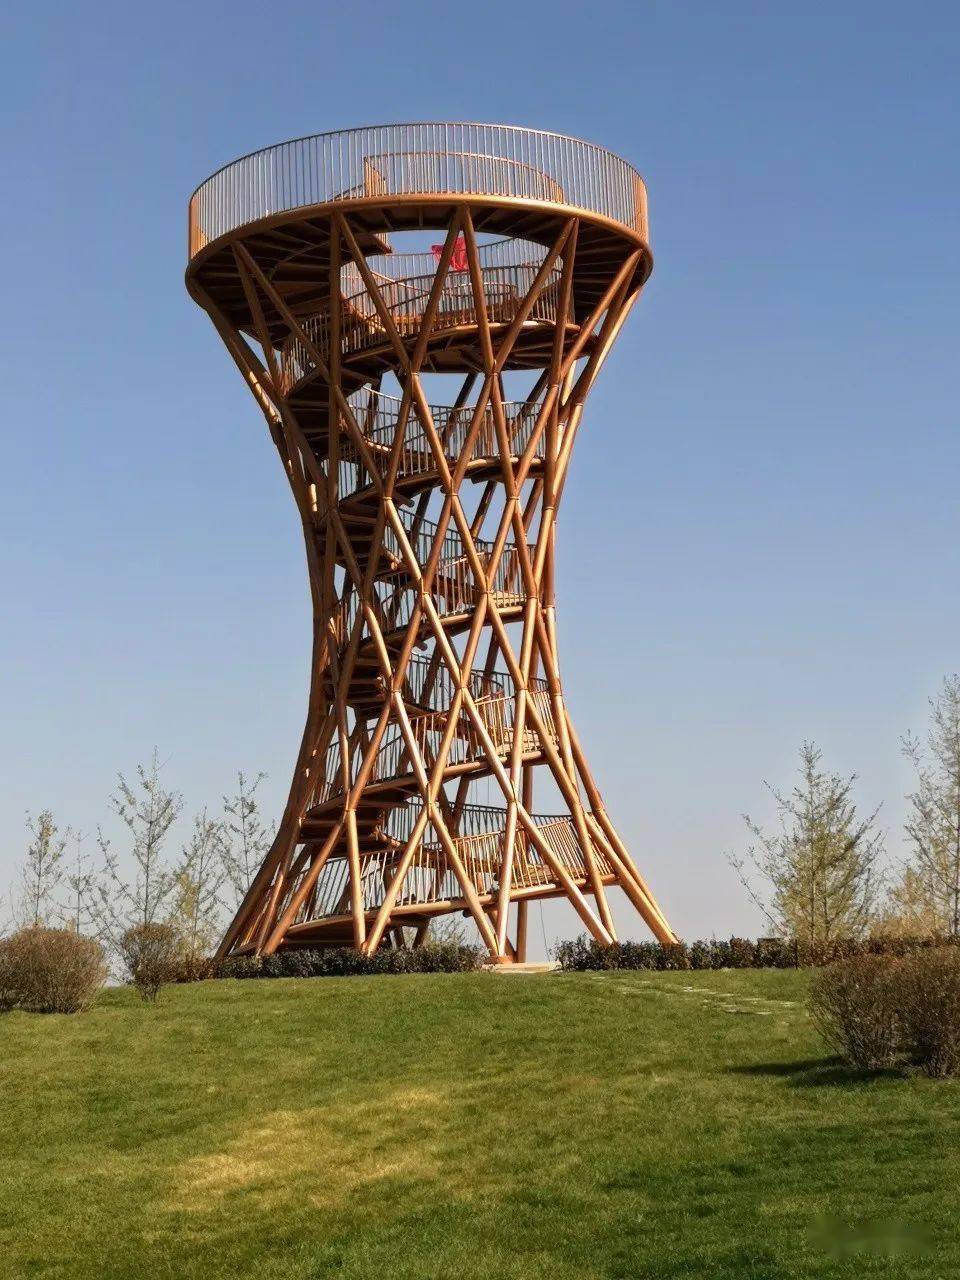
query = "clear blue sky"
x=784 y=397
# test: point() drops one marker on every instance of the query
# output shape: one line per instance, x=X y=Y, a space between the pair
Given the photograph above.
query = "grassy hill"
x=478 y=1127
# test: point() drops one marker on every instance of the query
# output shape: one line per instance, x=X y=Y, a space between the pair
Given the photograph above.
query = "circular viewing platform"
x=390 y=163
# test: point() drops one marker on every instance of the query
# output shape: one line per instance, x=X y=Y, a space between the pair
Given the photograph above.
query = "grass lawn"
x=477 y=1127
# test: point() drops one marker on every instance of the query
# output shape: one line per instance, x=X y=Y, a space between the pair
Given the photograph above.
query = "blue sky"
x=782 y=404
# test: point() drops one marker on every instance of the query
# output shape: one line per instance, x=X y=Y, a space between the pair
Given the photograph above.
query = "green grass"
x=479 y=1127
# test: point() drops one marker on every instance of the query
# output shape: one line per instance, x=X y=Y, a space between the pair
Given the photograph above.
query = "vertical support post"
x=521 y=947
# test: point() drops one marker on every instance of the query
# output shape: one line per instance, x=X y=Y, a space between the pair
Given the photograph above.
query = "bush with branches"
x=152 y=955
x=929 y=983
x=886 y=1011
x=50 y=970
x=855 y=1008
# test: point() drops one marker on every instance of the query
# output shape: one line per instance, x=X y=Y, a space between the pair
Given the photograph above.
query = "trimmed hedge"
x=585 y=953
x=343 y=962
x=582 y=953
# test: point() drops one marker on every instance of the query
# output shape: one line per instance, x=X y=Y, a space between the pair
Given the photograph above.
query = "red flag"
x=458 y=259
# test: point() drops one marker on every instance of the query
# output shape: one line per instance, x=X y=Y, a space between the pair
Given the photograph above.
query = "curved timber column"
x=424 y=405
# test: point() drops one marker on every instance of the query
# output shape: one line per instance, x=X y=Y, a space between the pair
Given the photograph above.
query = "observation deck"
x=406 y=177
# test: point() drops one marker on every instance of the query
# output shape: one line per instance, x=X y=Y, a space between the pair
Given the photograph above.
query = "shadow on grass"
x=813 y=1073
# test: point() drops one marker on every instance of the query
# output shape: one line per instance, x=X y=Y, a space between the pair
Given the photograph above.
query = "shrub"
x=191 y=966
x=237 y=967
x=881 y=1010
x=743 y=954
x=854 y=1005
x=674 y=956
x=151 y=954
x=700 y=954
x=445 y=957
x=582 y=954
x=50 y=970
x=7 y=998
x=929 y=989
x=775 y=953
x=721 y=954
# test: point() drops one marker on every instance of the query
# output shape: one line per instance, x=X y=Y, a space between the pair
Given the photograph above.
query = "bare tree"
x=42 y=872
x=148 y=810
x=822 y=865
x=933 y=824
x=77 y=912
x=197 y=884
x=248 y=841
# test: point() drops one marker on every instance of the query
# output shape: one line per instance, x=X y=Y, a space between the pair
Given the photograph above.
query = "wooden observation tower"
x=420 y=311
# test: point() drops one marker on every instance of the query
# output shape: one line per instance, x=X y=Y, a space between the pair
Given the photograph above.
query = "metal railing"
x=429 y=686
x=508 y=251
x=422 y=535
x=500 y=161
x=362 y=328
x=497 y=712
x=429 y=877
x=378 y=417
x=473 y=820
x=455 y=590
